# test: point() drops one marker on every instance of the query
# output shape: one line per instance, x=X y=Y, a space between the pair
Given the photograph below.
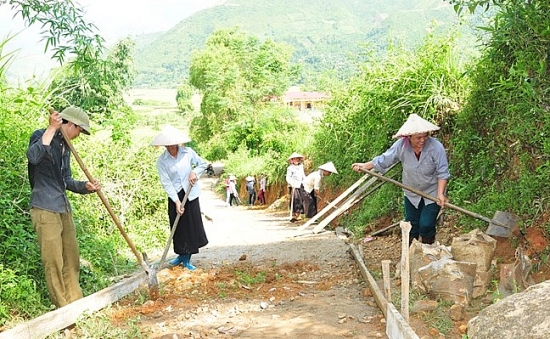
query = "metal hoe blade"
x=503 y=224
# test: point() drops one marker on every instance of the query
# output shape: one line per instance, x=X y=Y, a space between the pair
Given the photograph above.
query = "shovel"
x=502 y=224
x=152 y=282
x=174 y=226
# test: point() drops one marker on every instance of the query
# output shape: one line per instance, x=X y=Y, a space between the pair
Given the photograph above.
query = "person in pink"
x=228 y=190
x=261 y=192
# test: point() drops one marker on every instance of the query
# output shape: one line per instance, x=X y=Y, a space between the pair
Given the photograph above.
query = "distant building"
x=305 y=100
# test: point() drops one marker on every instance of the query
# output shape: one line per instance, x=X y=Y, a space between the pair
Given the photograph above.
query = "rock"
x=424 y=306
x=456 y=312
x=522 y=315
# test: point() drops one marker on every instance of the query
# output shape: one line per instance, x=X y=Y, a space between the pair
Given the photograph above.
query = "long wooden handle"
x=102 y=197
x=427 y=196
x=174 y=226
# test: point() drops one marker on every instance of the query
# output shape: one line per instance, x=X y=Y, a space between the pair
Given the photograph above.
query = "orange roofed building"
x=304 y=100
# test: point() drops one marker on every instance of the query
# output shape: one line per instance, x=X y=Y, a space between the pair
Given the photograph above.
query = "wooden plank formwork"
x=63 y=317
x=357 y=192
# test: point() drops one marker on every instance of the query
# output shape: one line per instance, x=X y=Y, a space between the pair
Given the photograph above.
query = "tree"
x=472 y=5
x=65 y=30
x=237 y=74
x=184 y=97
x=97 y=88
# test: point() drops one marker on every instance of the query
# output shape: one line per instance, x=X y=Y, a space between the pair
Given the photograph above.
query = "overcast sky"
x=115 y=19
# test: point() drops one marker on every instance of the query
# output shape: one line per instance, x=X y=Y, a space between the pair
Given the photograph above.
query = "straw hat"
x=249 y=178
x=232 y=177
x=415 y=125
x=170 y=136
x=295 y=155
x=329 y=167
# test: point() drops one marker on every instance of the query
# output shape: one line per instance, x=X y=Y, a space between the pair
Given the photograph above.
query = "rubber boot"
x=428 y=240
x=177 y=260
x=187 y=263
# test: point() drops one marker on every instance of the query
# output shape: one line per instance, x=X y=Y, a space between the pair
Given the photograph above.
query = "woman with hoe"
x=179 y=169
x=425 y=168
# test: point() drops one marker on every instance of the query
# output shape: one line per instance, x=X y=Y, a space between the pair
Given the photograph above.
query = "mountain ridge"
x=324 y=33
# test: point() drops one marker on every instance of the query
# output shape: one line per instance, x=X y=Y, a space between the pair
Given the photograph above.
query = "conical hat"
x=170 y=136
x=329 y=166
x=415 y=125
x=295 y=155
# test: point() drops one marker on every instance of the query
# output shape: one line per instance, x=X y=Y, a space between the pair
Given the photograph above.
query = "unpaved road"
x=311 y=287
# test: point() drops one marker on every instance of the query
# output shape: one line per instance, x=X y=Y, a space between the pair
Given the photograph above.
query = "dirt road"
x=256 y=279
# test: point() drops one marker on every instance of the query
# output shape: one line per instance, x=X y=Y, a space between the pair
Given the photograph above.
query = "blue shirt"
x=422 y=173
x=174 y=172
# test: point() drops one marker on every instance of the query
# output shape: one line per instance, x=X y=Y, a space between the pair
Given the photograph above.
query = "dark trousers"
x=422 y=219
x=233 y=199
x=251 y=198
x=310 y=203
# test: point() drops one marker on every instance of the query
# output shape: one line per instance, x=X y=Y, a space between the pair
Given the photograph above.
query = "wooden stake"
x=387 y=281
x=405 y=269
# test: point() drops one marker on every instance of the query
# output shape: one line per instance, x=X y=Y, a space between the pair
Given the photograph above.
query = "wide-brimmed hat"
x=414 y=125
x=232 y=177
x=295 y=155
x=329 y=167
x=170 y=135
x=249 y=178
x=78 y=117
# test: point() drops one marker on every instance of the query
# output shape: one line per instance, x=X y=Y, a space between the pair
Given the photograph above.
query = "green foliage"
x=100 y=326
x=363 y=115
x=473 y=5
x=98 y=87
x=236 y=73
x=131 y=186
x=501 y=142
x=20 y=293
x=64 y=29
x=439 y=318
x=246 y=278
x=184 y=97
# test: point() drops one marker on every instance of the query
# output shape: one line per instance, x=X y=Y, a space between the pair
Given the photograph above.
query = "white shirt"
x=313 y=181
x=295 y=175
x=263 y=183
x=174 y=172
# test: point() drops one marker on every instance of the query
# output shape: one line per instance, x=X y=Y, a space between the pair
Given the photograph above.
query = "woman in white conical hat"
x=179 y=169
x=425 y=168
x=294 y=176
x=312 y=185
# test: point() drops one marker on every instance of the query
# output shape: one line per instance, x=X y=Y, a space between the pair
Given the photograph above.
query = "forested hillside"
x=326 y=35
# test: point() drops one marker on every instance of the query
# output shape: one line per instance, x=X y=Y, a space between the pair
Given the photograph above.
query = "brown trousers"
x=59 y=250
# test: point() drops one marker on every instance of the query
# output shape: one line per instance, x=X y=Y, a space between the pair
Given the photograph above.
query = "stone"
x=523 y=315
